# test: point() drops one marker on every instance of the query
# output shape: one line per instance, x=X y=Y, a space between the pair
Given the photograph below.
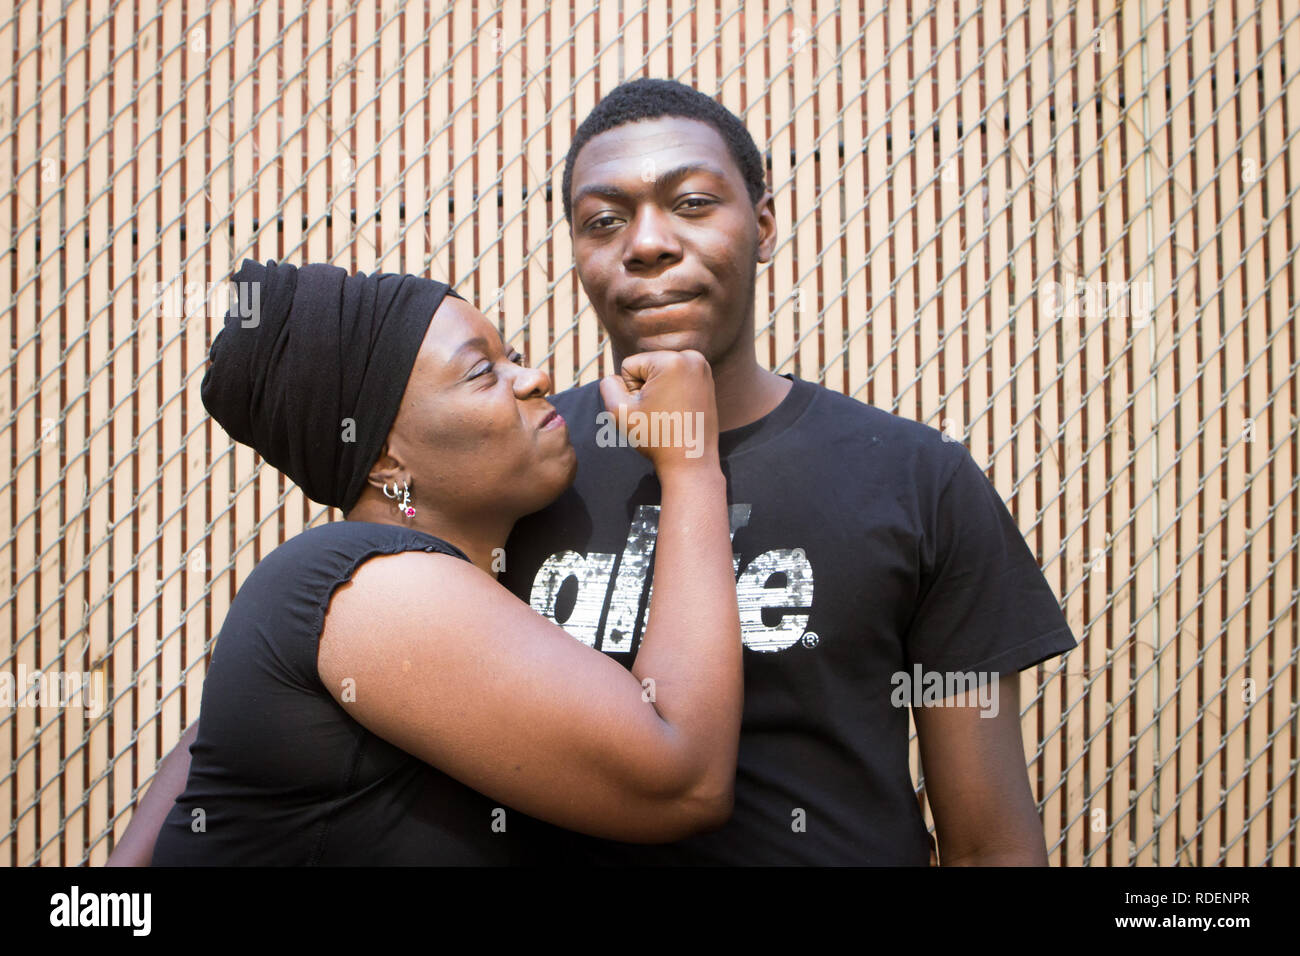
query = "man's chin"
x=675 y=341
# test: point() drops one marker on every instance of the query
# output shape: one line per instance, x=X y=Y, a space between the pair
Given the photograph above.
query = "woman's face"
x=475 y=430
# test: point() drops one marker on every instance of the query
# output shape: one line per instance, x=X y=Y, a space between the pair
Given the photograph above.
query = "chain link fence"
x=1062 y=233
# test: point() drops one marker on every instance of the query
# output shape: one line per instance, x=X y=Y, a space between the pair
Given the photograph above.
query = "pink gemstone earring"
x=404 y=506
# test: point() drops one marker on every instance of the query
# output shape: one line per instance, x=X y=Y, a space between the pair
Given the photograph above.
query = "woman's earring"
x=404 y=506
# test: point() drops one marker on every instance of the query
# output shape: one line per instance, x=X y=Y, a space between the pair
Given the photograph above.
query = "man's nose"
x=652 y=238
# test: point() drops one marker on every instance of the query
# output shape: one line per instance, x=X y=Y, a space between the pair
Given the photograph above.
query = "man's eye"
x=595 y=223
x=697 y=199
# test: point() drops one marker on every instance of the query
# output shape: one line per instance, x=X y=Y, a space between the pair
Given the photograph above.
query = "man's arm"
x=975 y=778
x=136 y=846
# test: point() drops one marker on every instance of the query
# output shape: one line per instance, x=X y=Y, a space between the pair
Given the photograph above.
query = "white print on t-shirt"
x=604 y=614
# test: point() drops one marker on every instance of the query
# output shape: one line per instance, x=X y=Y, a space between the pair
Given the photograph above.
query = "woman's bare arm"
x=136 y=846
x=432 y=654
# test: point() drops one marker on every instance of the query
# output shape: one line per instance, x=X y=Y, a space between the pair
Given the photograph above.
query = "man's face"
x=666 y=239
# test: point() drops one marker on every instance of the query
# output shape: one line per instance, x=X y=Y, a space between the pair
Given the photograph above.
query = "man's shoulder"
x=888 y=432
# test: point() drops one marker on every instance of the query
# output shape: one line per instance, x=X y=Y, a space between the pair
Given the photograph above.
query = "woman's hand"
x=672 y=393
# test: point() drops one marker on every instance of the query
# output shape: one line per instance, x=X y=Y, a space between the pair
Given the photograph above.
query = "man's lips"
x=659 y=300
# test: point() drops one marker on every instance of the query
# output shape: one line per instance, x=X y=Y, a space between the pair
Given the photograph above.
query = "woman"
x=375 y=696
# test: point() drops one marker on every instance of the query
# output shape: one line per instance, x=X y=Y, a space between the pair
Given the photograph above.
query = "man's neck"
x=745 y=392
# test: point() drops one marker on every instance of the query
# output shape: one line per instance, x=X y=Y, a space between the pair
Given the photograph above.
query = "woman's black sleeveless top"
x=281 y=775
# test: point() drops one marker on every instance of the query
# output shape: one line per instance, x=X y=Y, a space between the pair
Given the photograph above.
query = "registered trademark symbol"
x=810 y=639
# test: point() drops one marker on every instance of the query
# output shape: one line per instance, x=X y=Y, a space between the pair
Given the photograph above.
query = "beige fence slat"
x=389 y=56
x=1284 y=166
x=1215 y=439
x=1064 y=561
x=1146 y=451
x=515 y=179
x=561 y=252
x=75 y=536
x=537 y=213
x=27 y=431
x=567 y=298
x=1232 y=226
x=1251 y=838
x=824 y=339
x=1183 y=324
x=1040 y=419
x=170 y=34
x=1157 y=276
x=772 y=103
x=48 y=289
x=749 y=103
x=414 y=135
x=902 y=285
x=204 y=497
x=99 y=400
x=10 y=331
x=927 y=275
x=857 y=302
x=293 y=211
x=147 y=332
x=801 y=52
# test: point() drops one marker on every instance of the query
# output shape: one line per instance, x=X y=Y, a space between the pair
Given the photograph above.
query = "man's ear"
x=765 y=213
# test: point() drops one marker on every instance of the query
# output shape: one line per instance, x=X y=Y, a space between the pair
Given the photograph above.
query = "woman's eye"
x=482 y=370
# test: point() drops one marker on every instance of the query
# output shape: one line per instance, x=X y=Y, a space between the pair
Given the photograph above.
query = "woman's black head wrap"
x=311 y=366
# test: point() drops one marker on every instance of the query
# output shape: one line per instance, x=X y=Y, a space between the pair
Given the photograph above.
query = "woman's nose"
x=530 y=380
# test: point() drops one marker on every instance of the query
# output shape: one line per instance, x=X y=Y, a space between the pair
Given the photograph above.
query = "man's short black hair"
x=648 y=98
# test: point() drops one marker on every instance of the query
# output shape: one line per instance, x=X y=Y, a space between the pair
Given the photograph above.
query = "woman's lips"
x=553 y=420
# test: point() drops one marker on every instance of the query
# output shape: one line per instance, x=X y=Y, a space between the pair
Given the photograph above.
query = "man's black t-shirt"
x=280 y=773
x=866 y=547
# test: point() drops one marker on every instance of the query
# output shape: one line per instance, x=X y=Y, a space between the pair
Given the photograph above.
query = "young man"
x=877 y=568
